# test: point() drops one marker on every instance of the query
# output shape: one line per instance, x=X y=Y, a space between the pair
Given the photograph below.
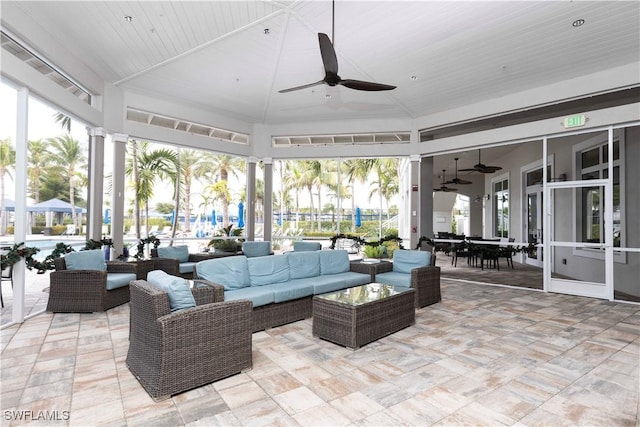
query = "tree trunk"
x=136 y=204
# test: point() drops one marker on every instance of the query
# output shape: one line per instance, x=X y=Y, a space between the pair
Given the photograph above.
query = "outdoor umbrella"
x=358 y=217
x=213 y=217
x=240 y=215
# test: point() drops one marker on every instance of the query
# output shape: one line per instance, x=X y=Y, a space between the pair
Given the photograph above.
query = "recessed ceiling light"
x=578 y=22
x=267 y=31
x=328 y=96
x=128 y=18
x=413 y=78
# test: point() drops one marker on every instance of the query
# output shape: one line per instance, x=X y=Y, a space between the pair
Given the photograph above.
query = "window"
x=501 y=207
x=593 y=163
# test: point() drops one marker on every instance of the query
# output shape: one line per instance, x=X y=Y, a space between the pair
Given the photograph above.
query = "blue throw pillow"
x=181 y=253
x=267 y=270
x=177 y=288
x=404 y=260
x=86 y=260
x=334 y=262
x=303 y=264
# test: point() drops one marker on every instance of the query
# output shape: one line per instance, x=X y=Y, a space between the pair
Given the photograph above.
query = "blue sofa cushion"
x=394 y=278
x=303 y=264
x=258 y=295
x=293 y=289
x=86 y=260
x=330 y=283
x=177 y=289
x=404 y=260
x=255 y=249
x=186 y=267
x=118 y=280
x=231 y=272
x=266 y=270
x=306 y=246
x=333 y=262
x=351 y=278
x=181 y=253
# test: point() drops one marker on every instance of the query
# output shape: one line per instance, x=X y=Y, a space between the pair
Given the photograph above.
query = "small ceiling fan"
x=482 y=168
x=330 y=62
x=457 y=180
x=444 y=187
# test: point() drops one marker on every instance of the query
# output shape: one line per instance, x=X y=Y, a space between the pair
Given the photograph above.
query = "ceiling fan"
x=330 y=62
x=482 y=168
x=457 y=180
x=444 y=187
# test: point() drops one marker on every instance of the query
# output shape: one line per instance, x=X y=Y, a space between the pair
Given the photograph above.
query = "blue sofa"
x=280 y=287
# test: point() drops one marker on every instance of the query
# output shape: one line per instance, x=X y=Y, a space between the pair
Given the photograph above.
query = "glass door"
x=534 y=225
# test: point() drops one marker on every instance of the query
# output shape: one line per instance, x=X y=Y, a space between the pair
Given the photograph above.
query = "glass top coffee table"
x=357 y=316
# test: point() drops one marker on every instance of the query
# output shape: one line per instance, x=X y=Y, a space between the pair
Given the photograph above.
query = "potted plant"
x=225 y=240
x=372 y=252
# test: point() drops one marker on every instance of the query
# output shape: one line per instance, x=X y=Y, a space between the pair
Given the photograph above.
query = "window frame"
x=501 y=179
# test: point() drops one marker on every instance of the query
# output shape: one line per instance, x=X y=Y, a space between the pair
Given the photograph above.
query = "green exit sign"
x=575 y=121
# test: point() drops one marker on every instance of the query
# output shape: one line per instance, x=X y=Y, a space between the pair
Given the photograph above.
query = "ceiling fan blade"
x=329 y=58
x=469 y=170
x=490 y=169
x=291 y=89
x=362 y=85
x=459 y=181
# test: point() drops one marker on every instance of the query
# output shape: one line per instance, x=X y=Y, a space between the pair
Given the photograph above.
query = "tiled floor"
x=485 y=355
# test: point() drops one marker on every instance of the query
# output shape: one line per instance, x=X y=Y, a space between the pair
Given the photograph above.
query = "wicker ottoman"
x=357 y=316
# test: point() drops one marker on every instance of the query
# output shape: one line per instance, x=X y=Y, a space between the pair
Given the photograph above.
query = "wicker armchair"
x=85 y=291
x=173 y=352
x=425 y=280
x=172 y=265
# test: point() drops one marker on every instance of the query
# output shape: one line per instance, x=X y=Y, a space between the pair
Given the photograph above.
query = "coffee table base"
x=354 y=326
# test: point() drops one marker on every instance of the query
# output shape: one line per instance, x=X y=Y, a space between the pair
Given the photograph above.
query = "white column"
x=117 y=192
x=20 y=230
x=96 y=183
x=250 y=223
x=425 y=195
x=268 y=198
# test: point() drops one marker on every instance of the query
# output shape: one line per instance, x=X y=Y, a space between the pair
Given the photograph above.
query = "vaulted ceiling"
x=232 y=57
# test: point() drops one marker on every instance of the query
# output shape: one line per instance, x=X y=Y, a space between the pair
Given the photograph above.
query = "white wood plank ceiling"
x=216 y=55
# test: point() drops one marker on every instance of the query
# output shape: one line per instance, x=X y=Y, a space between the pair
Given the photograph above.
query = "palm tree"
x=292 y=181
x=37 y=166
x=68 y=155
x=192 y=166
x=358 y=170
x=7 y=162
x=151 y=165
x=309 y=171
x=220 y=167
x=63 y=120
x=386 y=181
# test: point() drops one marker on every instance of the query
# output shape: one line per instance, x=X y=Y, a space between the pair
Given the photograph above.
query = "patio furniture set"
x=187 y=333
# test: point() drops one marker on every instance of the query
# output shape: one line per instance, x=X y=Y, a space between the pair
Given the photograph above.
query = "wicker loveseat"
x=171 y=352
x=281 y=287
x=88 y=290
x=177 y=261
x=413 y=269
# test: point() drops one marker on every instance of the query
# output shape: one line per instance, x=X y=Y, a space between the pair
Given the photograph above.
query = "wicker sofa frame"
x=173 y=352
x=85 y=291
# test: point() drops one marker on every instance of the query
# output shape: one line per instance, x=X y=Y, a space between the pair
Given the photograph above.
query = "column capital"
x=120 y=137
x=415 y=158
x=93 y=132
x=267 y=160
x=252 y=159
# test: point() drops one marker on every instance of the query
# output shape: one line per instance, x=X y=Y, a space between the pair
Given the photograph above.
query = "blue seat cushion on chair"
x=303 y=264
x=291 y=290
x=404 y=260
x=231 y=272
x=333 y=262
x=331 y=283
x=186 y=267
x=255 y=249
x=258 y=295
x=177 y=288
x=181 y=253
x=394 y=278
x=118 y=280
x=306 y=246
x=266 y=270
x=86 y=260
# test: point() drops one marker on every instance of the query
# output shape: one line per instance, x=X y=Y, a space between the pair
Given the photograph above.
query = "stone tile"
x=263 y=412
x=320 y=416
x=242 y=394
x=297 y=400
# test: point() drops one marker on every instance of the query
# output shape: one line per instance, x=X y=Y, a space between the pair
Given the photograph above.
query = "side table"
x=142 y=266
x=360 y=266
